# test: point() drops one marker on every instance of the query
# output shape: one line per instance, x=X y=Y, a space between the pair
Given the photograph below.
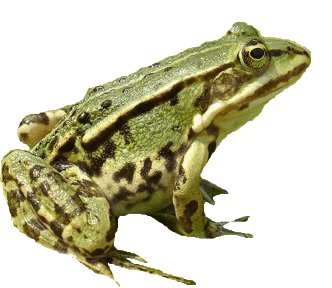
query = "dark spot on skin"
x=174 y=100
x=127 y=89
x=44 y=188
x=211 y=148
x=123 y=194
x=56 y=177
x=32 y=228
x=14 y=198
x=203 y=101
x=40 y=118
x=191 y=134
x=125 y=132
x=182 y=179
x=97 y=161
x=6 y=176
x=65 y=123
x=24 y=137
x=122 y=79
x=189 y=211
x=70 y=239
x=191 y=208
x=97 y=252
x=106 y=104
x=182 y=149
x=60 y=163
x=168 y=69
x=153 y=179
x=212 y=130
x=146 y=167
x=57 y=228
x=34 y=201
x=177 y=128
x=85 y=167
x=35 y=172
x=96 y=89
x=243 y=106
x=276 y=53
x=149 y=74
x=208 y=233
x=53 y=143
x=169 y=156
x=80 y=207
x=154 y=65
x=127 y=172
x=68 y=146
x=83 y=118
x=63 y=215
x=86 y=188
x=145 y=188
x=60 y=246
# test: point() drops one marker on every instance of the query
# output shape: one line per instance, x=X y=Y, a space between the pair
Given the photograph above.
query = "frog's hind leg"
x=67 y=215
x=35 y=127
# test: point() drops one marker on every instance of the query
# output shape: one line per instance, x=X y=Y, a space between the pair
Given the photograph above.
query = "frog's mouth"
x=252 y=96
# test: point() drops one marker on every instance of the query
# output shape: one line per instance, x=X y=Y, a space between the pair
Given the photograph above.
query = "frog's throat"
x=256 y=94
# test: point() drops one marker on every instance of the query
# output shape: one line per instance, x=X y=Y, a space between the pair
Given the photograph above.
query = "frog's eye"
x=254 y=54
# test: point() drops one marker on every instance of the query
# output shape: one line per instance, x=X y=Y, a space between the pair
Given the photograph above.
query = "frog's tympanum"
x=138 y=145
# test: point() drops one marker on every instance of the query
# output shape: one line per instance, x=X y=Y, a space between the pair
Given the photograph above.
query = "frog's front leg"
x=35 y=127
x=188 y=200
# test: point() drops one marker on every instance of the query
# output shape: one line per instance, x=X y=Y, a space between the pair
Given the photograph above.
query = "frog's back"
x=130 y=134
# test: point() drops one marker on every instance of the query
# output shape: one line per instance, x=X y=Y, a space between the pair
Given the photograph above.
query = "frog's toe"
x=120 y=258
x=99 y=266
x=217 y=229
x=127 y=255
x=210 y=190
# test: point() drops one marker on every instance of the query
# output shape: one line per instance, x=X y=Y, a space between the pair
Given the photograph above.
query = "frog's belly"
x=146 y=204
x=137 y=195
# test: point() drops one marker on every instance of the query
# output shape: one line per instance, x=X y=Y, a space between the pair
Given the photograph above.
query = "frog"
x=138 y=145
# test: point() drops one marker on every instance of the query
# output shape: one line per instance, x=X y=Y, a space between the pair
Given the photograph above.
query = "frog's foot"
x=210 y=190
x=216 y=229
x=120 y=258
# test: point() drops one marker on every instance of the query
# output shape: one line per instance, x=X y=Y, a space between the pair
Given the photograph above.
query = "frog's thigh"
x=187 y=198
x=68 y=218
x=35 y=127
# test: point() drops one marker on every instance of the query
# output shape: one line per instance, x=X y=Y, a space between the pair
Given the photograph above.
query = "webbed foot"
x=216 y=229
x=121 y=258
x=210 y=190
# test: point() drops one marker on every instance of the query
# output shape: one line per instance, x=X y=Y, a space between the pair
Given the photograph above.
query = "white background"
x=277 y=168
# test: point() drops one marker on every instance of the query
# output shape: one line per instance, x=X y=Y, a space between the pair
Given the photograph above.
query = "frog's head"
x=257 y=70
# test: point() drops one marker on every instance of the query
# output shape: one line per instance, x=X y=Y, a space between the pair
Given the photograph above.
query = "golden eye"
x=254 y=54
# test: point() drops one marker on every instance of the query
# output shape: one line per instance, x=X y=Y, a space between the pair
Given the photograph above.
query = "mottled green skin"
x=138 y=144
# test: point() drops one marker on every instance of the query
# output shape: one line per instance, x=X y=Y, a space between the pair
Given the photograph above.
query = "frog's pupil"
x=257 y=53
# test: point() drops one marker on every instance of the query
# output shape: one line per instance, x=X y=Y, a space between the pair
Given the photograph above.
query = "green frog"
x=138 y=145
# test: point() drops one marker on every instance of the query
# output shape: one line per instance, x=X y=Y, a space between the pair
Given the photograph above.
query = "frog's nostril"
x=289 y=49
